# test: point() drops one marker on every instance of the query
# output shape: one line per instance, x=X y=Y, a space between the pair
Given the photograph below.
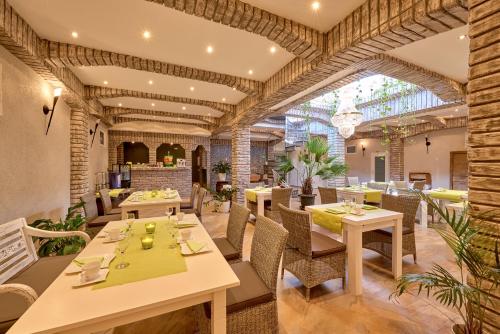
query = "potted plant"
x=61 y=246
x=469 y=290
x=316 y=162
x=221 y=168
x=223 y=197
x=285 y=166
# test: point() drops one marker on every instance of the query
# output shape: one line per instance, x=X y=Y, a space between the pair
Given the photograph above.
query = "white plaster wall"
x=98 y=153
x=34 y=168
x=437 y=162
x=360 y=165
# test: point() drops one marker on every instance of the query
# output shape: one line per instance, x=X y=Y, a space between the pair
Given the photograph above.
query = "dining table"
x=352 y=227
x=156 y=281
x=443 y=197
x=258 y=195
x=151 y=203
x=360 y=194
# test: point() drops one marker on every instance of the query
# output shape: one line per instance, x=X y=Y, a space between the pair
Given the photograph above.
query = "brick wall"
x=396 y=159
x=79 y=148
x=337 y=148
x=159 y=178
x=240 y=159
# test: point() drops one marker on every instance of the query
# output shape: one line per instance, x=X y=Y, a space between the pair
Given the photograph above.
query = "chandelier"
x=347 y=118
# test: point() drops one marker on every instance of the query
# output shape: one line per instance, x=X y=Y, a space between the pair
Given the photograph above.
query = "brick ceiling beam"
x=298 y=39
x=17 y=36
x=92 y=92
x=371 y=29
x=118 y=111
x=118 y=120
x=64 y=55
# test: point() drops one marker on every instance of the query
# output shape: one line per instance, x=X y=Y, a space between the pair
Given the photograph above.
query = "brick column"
x=483 y=98
x=240 y=159
x=337 y=148
x=79 y=148
x=396 y=159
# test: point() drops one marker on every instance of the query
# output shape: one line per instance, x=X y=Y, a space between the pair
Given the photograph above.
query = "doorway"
x=199 y=172
x=459 y=170
x=379 y=167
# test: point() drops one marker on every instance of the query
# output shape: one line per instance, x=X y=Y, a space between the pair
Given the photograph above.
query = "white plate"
x=185 y=250
x=103 y=273
x=73 y=268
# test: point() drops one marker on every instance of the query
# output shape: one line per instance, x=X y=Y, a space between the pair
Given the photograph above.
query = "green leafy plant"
x=222 y=167
x=285 y=166
x=61 y=246
x=316 y=162
x=225 y=194
x=477 y=277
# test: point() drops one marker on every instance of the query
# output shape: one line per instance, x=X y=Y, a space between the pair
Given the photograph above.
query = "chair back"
x=353 y=180
x=419 y=185
x=400 y=184
x=106 y=200
x=17 y=250
x=194 y=192
x=406 y=204
x=280 y=196
x=268 y=242
x=378 y=186
x=89 y=205
x=327 y=195
x=236 y=225
x=202 y=192
x=298 y=225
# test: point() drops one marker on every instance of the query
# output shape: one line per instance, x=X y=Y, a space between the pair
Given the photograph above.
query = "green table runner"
x=145 y=264
x=451 y=195
x=149 y=196
x=252 y=193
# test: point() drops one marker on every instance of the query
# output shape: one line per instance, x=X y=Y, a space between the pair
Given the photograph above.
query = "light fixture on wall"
x=363 y=148
x=427 y=143
x=93 y=132
x=46 y=109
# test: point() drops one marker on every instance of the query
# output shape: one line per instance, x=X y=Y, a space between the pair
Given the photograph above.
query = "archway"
x=174 y=150
x=199 y=169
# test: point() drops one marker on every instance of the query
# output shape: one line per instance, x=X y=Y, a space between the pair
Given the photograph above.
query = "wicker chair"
x=378 y=186
x=278 y=196
x=94 y=221
x=232 y=245
x=380 y=240
x=107 y=204
x=251 y=307
x=312 y=257
x=328 y=195
x=189 y=204
x=419 y=185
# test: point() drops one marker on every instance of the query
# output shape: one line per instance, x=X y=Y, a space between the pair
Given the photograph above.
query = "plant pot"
x=224 y=207
x=306 y=200
x=222 y=176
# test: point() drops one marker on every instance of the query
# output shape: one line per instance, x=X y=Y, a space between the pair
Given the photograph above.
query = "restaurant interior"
x=228 y=166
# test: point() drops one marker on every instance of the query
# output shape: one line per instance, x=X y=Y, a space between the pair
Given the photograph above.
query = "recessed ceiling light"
x=150 y=82
x=223 y=99
x=146 y=34
x=209 y=113
x=119 y=104
x=133 y=142
x=74 y=34
x=272 y=49
x=191 y=88
x=178 y=118
x=456 y=110
x=234 y=88
x=250 y=72
x=183 y=107
x=105 y=82
x=210 y=49
x=462 y=36
x=315 y=5
x=152 y=104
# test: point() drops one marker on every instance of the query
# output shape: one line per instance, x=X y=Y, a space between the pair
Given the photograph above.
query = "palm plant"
x=317 y=163
x=285 y=166
x=469 y=292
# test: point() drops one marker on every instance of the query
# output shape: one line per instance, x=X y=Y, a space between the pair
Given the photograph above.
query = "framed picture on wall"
x=101 y=137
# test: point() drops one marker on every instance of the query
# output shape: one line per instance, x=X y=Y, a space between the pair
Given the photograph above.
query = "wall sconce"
x=427 y=144
x=92 y=132
x=46 y=109
x=363 y=148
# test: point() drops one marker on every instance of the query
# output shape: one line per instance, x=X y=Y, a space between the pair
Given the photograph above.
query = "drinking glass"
x=169 y=212
x=129 y=226
x=172 y=232
x=122 y=247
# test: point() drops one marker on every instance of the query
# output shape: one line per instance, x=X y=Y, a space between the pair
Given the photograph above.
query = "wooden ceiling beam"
x=118 y=120
x=118 y=111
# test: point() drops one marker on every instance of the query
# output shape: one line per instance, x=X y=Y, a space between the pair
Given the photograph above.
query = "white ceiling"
x=117 y=25
x=330 y=13
x=163 y=118
x=444 y=53
x=148 y=126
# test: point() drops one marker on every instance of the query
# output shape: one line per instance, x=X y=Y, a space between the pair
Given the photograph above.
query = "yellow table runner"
x=113 y=193
x=146 y=264
x=371 y=195
x=451 y=195
x=330 y=221
x=251 y=194
x=156 y=195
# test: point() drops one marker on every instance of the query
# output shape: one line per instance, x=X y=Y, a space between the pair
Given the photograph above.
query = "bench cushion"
x=252 y=290
x=227 y=249
x=38 y=276
x=322 y=245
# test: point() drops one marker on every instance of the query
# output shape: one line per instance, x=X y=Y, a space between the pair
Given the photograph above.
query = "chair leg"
x=308 y=294
x=282 y=271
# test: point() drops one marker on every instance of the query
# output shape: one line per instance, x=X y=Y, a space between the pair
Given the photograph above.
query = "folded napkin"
x=185 y=224
x=369 y=207
x=83 y=261
x=335 y=211
x=195 y=246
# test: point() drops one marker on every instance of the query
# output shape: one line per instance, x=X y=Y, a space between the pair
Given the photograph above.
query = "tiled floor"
x=332 y=310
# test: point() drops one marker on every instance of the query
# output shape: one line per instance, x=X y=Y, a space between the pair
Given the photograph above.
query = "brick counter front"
x=161 y=178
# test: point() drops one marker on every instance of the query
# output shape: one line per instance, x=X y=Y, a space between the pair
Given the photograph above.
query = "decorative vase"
x=222 y=176
x=306 y=200
x=224 y=206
